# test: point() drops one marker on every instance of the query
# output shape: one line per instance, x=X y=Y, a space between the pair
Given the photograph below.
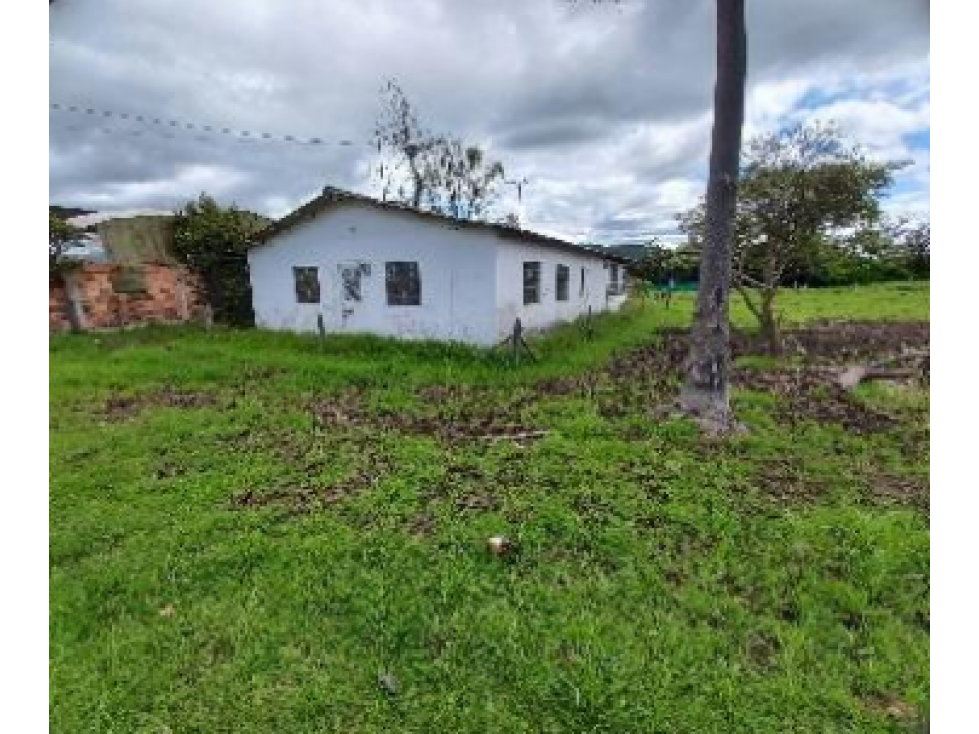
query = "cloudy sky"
x=604 y=109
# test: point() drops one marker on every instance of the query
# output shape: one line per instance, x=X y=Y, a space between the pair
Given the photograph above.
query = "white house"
x=356 y=264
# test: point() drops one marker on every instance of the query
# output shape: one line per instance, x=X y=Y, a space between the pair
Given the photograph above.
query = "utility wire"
x=185 y=126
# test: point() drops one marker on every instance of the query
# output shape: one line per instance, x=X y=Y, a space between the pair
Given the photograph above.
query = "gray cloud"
x=606 y=110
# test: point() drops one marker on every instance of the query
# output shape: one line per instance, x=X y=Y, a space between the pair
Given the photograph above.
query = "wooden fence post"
x=321 y=327
x=517 y=338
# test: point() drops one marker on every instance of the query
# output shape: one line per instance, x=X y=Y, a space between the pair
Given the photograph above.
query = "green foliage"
x=660 y=264
x=212 y=240
x=60 y=235
x=657 y=587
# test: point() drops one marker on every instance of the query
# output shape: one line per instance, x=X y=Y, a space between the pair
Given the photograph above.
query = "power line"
x=173 y=126
x=151 y=132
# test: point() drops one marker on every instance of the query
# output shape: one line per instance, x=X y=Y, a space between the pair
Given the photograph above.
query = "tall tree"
x=402 y=145
x=801 y=188
x=705 y=391
x=430 y=171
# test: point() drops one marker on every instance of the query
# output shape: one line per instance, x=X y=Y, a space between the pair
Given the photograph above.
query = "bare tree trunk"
x=705 y=390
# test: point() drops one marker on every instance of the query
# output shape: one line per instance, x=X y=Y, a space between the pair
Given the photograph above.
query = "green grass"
x=661 y=583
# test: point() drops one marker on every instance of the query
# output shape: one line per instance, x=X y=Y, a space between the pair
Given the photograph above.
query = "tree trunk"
x=416 y=178
x=705 y=390
x=73 y=307
x=769 y=323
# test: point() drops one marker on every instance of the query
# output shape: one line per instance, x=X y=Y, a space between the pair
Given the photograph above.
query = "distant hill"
x=66 y=212
x=630 y=252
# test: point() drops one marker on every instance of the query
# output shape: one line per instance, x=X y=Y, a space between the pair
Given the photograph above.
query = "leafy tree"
x=659 y=263
x=705 y=388
x=212 y=241
x=800 y=189
x=430 y=171
x=913 y=239
x=61 y=236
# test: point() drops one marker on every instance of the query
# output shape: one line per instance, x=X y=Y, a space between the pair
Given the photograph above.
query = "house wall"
x=457 y=267
x=172 y=295
x=511 y=255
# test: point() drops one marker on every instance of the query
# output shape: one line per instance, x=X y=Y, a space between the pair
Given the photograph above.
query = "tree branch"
x=754 y=308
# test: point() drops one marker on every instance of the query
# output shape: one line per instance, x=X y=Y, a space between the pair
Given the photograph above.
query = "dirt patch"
x=120 y=407
x=372 y=467
x=762 y=649
x=839 y=342
x=900 y=490
x=634 y=380
x=423 y=525
x=301 y=500
x=477 y=502
x=894 y=708
x=456 y=422
x=808 y=392
x=786 y=482
x=811 y=393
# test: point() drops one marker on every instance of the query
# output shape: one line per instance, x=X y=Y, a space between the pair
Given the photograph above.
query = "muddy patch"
x=895 y=489
x=838 y=342
x=808 y=392
x=786 y=482
x=120 y=407
x=633 y=381
x=304 y=499
x=469 y=418
x=812 y=394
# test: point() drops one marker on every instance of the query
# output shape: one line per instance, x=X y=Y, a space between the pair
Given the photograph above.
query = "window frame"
x=562 y=294
x=616 y=279
x=532 y=267
x=129 y=280
x=403 y=295
x=302 y=298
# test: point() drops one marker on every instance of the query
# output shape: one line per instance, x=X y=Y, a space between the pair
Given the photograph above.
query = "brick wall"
x=172 y=295
x=57 y=307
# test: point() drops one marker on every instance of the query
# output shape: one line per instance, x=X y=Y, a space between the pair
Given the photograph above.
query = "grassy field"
x=249 y=530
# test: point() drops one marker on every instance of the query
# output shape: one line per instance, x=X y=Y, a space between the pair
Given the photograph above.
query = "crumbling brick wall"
x=57 y=307
x=113 y=296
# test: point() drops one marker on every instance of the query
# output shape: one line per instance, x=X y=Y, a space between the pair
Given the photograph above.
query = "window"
x=307 y=284
x=403 y=283
x=581 y=288
x=531 y=283
x=128 y=280
x=562 y=278
x=615 y=285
